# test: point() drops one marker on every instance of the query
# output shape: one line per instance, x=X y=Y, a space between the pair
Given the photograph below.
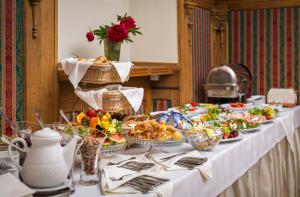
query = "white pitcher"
x=47 y=163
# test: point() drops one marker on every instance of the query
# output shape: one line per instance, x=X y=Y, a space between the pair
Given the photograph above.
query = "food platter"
x=239 y=137
x=160 y=142
x=112 y=148
x=250 y=130
x=268 y=121
x=245 y=107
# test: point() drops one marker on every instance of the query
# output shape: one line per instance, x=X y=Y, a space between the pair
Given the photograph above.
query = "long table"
x=269 y=157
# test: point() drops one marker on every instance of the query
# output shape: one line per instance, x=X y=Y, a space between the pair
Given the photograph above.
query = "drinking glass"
x=89 y=152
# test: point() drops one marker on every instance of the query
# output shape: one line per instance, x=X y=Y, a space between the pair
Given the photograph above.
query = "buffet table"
x=263 y=163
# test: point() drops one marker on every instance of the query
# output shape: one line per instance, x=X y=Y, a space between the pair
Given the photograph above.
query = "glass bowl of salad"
x=204 y=137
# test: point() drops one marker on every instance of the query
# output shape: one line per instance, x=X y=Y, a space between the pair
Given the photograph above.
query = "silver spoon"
x=38 y=117
x=63 y=115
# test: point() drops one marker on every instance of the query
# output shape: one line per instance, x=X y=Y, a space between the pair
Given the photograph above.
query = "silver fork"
x=4 y=167
x=170 y=157
x=117 y=163
x=119 y=179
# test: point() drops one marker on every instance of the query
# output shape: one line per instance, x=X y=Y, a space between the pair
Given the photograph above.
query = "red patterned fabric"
x=11 y=74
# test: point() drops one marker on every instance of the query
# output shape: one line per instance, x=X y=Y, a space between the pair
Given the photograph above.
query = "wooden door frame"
x=185 y=25
x=39 y=60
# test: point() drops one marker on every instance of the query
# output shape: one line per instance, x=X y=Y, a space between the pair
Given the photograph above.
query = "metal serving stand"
x=228 y=83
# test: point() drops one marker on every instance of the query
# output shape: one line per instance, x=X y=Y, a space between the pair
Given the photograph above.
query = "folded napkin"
x=11 y=186
x=205 y=169
x=76 y=69
x=288 y=125
x=110 y=186
x=94 y=97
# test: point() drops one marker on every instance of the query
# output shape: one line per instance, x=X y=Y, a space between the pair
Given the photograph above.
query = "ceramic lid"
x=46 y=133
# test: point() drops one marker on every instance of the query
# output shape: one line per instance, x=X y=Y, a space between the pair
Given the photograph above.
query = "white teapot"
x=47 y=163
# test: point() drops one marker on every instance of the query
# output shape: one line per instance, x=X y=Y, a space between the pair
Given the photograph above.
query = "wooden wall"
x=40 y=71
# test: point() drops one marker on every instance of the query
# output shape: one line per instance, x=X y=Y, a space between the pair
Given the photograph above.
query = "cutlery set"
x=190 y=162
x=144 y=183
x=136 y=166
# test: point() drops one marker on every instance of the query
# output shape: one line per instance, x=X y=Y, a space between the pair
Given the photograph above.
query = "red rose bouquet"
x=116 y=32
x=114 y=35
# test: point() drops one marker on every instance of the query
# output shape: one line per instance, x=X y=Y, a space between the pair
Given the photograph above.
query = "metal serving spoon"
x=38 y=118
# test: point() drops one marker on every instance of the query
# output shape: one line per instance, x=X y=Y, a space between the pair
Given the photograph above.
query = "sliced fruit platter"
x=101 y=122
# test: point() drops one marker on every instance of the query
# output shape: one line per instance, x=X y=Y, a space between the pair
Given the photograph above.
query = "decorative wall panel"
x=11 y=74
x=267 y=41
x=161 y=104
x=201 y=52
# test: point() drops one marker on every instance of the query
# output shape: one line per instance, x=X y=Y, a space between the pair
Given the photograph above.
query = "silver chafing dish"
x=228 y=81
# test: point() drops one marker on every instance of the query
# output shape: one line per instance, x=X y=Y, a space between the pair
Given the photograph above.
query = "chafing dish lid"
x=221 y=75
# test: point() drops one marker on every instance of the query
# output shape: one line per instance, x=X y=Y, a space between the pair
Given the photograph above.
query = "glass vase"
x=89 y=152
x=112 y=50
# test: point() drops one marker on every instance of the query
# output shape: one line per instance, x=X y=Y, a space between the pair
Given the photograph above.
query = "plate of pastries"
x=153 y=131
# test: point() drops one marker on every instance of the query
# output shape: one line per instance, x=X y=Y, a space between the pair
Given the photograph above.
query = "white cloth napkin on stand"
x=94 y=97
x=11 y=186
x=134 y=96
x=123 y=69
x=205 y=169
x=75 y=69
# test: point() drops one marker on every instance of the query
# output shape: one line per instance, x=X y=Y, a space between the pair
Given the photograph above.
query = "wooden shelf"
x=139 y=69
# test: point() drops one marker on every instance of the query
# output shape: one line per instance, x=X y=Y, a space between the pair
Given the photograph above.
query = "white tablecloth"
x=230 y=161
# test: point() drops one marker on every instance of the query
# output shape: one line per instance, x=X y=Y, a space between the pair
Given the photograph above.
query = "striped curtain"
x=161 y=104
x=201 y=51
x=11 y=74
x=267 y=41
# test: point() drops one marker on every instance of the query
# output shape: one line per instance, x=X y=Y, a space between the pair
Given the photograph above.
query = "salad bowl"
x=204 y=138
